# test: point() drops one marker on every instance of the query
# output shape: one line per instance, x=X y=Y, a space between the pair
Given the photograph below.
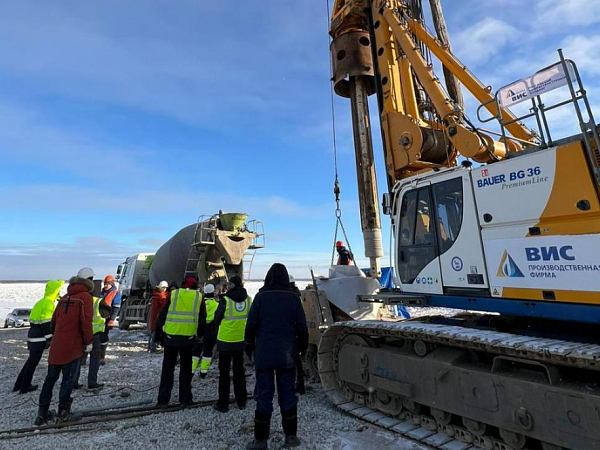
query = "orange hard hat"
x=339 y=244
x=109 y=278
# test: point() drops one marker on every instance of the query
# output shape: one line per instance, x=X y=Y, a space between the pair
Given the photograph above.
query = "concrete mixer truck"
x=214 y=249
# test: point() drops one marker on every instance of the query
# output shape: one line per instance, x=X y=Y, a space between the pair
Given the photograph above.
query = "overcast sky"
x=123 y=121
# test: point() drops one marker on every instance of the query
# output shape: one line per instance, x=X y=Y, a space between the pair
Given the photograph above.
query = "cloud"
x=161 y=62
x=48 y=260
x=152 y=242
x=560 y=13
x=79 y=198
x=585 y=51
x=27 y=138
x=484 y=40
x=141 y=230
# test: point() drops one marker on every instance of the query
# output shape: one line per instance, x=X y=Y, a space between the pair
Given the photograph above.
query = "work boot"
x=291 y=441
x=257 y=445
x=30 y=388
x=64 y=413
x=289 y=422
x=42 y=416
x=96 y=386
x=262 y=425
x=219 y=408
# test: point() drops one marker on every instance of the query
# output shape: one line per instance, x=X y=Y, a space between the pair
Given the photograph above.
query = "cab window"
x=448 y=197
x=416 y=246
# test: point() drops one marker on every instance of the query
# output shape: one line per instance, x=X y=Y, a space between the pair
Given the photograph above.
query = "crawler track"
x=454 y=387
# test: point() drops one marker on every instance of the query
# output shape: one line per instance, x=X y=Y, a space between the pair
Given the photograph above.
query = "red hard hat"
x=109 y=278
x=339 y=244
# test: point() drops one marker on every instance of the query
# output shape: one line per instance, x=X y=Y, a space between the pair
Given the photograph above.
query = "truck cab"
x=133 y=276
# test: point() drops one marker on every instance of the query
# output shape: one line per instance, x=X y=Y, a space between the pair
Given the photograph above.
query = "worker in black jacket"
x=276 y=331
x=180 y=324
x=230 y=319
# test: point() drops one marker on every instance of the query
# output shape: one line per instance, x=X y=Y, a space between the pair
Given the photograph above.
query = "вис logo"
x=553 y=253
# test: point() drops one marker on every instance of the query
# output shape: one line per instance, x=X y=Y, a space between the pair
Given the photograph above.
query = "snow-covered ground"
x=131 y=369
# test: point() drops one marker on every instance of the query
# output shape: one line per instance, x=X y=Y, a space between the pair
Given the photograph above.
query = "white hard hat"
x=209 y=289
x=292 y=279
x=86 y=272
x=163 y=284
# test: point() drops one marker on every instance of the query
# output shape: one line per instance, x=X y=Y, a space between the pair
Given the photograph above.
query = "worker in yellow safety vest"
x=180 y=324
x=101 y=312
x=39 y=336
x=230 y=318
x=203 y=351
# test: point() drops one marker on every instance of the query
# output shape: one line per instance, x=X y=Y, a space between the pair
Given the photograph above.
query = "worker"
x=230 y=318
x=157 y=303
x=39 y=335
x=72 y=336
x=101 y=312
x=345 y=256
x=108 y=294
x=179 y=324
x=300 y=386
x=276 y=333
x=203 y=351
x=115 y=307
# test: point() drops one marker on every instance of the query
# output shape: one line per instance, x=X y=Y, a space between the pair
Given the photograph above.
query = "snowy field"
x=132 y=375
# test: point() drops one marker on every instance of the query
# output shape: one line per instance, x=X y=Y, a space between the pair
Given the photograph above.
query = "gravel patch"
x=131 y=369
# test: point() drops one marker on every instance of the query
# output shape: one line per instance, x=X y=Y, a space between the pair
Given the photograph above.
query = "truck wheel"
x=6 y=323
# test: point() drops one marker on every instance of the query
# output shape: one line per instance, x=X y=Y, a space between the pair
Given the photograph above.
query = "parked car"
x=19 y=317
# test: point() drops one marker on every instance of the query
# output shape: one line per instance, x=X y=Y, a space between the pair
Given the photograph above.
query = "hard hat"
x=86 y=272
x=339 y=244
x=209 y=289
x=109 y=278
x=163 y=284
x=292 y=279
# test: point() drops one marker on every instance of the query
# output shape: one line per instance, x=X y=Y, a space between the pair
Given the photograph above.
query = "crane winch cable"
x=336 y=184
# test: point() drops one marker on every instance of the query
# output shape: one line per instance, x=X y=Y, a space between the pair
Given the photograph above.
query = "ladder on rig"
x=257 y=227
x=204 y=235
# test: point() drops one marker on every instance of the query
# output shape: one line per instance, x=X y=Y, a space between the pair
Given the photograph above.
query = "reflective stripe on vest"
x=98 y=322
x=211 y=308
x=233 y=326
x=40 y=322
x=182 y=317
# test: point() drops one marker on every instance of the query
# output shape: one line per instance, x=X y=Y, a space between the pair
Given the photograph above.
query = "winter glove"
x=249 y=349
x=88 y=348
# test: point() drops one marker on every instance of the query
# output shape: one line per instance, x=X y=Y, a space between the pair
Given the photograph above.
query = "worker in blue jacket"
x=276 y=332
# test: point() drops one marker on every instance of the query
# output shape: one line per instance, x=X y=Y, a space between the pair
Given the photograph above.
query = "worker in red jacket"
x=158 y=302
x=72 y=336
